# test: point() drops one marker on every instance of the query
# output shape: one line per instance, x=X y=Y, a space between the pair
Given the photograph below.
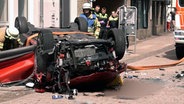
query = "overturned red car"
x=58 y=59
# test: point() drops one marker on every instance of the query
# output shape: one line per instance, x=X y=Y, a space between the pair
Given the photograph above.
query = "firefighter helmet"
x=86 y=6
x=12 y=33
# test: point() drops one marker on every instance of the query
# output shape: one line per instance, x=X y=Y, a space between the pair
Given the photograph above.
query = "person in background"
x=168 y=21
x=103 y=18
x=93 y=24
x=113 y=20
x=173 y=19
x=97 y=11
x=12 y=38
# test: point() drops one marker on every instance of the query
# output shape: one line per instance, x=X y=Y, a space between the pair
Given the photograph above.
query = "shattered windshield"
x=181 y=3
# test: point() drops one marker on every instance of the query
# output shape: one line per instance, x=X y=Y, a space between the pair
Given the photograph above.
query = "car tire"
x=117 y=38
x=21 y=24
x=46 y=41
x=45 y=46
x=179 y=50
x=82 y=24
x=40 y=61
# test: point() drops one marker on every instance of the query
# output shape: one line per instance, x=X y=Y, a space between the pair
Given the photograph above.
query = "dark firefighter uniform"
x=11 y=39
x=103 y=18
x=97 y=14
x=113 y=22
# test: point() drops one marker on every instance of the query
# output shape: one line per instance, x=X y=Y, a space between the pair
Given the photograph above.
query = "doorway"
x=108 y=4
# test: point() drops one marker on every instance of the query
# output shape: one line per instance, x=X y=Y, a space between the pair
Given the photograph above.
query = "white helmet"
x=12 y=33
x=86 y=6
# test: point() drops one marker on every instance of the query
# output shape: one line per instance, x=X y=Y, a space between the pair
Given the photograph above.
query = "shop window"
x=23 y=8
x=3 y=10
x=142 y=12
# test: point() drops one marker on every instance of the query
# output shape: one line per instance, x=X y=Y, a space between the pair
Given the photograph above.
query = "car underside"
x=70 y=58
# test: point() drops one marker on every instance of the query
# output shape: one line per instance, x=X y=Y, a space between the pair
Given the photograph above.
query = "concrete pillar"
x=12 y=12
x=73 y=10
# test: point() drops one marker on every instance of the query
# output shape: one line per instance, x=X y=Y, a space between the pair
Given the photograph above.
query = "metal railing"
x=128 y=22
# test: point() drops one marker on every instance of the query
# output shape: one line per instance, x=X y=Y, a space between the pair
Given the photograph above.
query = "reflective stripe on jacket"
x=103 y=16
x=97 y=14
x=103 y=20
x=113 y=18
x=1 y=45
x=113 y=22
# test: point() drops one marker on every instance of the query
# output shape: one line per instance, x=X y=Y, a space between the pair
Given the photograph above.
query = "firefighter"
x=12 y=39
x=113 y=20
x=93 y=24
x=97 y=11
x=168 y=21
x=173 y=13
x=103 y=18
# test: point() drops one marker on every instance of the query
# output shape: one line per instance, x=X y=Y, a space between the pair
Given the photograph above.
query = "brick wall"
x=79 y=6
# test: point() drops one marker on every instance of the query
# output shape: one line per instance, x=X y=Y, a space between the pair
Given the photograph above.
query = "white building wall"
x=51 y=12
x=73 y=10
x=12 y=11
x=33 y=12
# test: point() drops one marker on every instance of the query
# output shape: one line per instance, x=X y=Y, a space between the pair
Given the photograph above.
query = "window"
x=143 y=7
x=3 y=10
x=181 y=3
x=23 y=8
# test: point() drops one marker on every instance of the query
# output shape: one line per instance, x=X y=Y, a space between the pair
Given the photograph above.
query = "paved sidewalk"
x=148 y=47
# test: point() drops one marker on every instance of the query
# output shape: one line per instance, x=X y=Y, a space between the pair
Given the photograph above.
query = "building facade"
x=151 y=19
x=41 y=13
x=151 y=14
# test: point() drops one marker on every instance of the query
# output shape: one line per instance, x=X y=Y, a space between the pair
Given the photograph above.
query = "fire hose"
x=155 y=66
x=119 y=81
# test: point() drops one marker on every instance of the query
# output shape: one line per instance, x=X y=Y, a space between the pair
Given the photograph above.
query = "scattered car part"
x=67 y=60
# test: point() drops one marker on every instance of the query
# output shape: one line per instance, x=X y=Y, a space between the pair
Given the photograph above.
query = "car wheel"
x=179 y=50
x=82 y=24
x=40 y=61
x=21 y=24
x=46 y=41
x=44 y=51
x=117 y=38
